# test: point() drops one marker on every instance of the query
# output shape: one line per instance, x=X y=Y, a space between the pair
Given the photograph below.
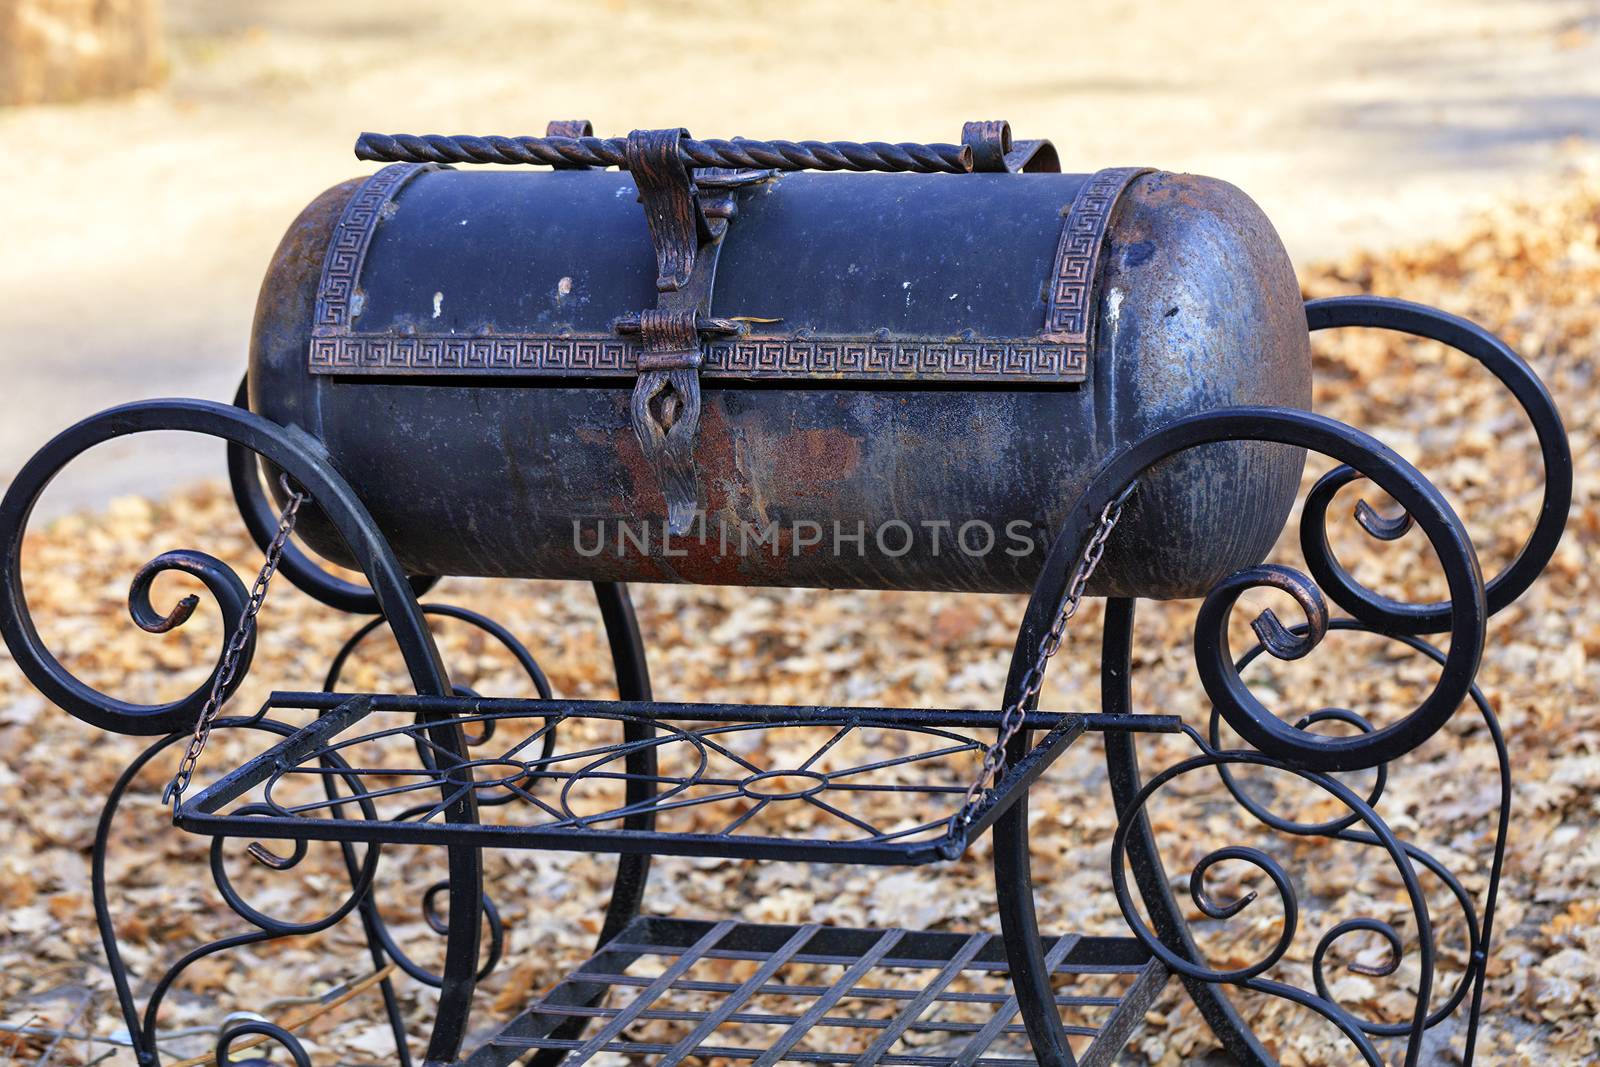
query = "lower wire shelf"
x=821 y=784
x=665 y=991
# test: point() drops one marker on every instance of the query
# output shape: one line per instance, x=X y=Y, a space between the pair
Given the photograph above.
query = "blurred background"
x=158 y=150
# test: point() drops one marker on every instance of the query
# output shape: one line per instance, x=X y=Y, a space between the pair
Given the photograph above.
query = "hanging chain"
x=1011 y=721
x=237 y=642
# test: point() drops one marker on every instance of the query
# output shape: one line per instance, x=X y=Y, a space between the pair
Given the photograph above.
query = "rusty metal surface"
x=290 y=303
x=338 y=292
x=665 y=406
x=989 y=140
x=1074 y=287
x=994 y=149
x=1198 y=309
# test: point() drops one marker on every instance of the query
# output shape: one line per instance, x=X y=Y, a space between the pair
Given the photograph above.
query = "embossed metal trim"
x=341 y=268
x=980 y=361
x=745 y=357
x=1070 y=318
x=1060 y=355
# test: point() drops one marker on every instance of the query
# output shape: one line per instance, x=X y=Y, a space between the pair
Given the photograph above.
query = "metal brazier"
x=870 y=380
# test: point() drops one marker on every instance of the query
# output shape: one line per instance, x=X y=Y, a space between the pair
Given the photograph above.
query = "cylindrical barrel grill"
x=935 y=379
x=900 y=380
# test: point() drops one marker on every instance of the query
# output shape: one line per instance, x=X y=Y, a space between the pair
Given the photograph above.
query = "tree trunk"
x=63 y=50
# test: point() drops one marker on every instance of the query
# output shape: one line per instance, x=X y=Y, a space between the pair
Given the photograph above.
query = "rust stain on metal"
x=808 y=462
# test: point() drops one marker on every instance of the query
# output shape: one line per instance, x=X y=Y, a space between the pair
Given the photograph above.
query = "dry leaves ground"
x=1531 y=272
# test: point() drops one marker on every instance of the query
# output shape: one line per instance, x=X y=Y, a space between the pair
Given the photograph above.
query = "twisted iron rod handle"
x=608 y=152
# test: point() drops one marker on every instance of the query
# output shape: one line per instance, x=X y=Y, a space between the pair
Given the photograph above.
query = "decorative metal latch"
x=687 y=233
x=688 y=213
x=686 y=188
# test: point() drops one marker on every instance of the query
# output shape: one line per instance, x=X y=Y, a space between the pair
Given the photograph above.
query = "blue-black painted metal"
x=260 y=517
x=555 y=813
x=906 y=972
x=1213 y=483
x=486 y=326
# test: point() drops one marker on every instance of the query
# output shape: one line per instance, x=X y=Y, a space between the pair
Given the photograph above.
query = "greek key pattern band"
x=1059 y=355
x=341 y=268
x=1070 y=318
x=604 y=356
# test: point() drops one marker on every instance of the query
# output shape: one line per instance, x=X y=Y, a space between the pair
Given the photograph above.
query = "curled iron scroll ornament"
x=260 y=515
x=1249 y=976
x=378 y=927
x=506 y=639
x=1314 y=757
x=1555 y=452
x=361 y=867
x=1430 y=1009
x=258 y=1028
x=305 y=462
x=1213 y=659
x=142 y=1024
x=1479 y=932
x=1309 y=756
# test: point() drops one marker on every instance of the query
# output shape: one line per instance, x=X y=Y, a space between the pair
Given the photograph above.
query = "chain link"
x=1011 y=720
x=237 y=642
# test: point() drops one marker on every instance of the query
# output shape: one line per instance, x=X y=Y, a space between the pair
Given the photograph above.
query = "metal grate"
x=895 y=997
x=848 y=785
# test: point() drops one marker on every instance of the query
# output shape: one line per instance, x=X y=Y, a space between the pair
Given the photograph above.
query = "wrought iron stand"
x=449 y=768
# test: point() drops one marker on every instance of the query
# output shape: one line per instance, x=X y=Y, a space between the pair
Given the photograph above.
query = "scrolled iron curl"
x=218 y=578
x=257 y=1028
x=494 y=925
x=231 y=597
x=1389 y=966
x=260 y=515
x=1555 y=453
x=1213 y=658
x=1259 y=726
x=1341 y=828
x=245 y=432
x=1292 y=749
x=267 y=928
x=1283 y=642
x=377 y=924
x=1221 y=912
x=1236 y=703
x=78 y=698
x=304 y=461
x=1249 y=975
x=507 y=640
x=1341 y=1019
x=1275 y=821
x=440 y=924
x=278 y=927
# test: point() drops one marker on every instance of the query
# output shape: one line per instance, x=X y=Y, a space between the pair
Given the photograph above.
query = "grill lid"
x=875 y=278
